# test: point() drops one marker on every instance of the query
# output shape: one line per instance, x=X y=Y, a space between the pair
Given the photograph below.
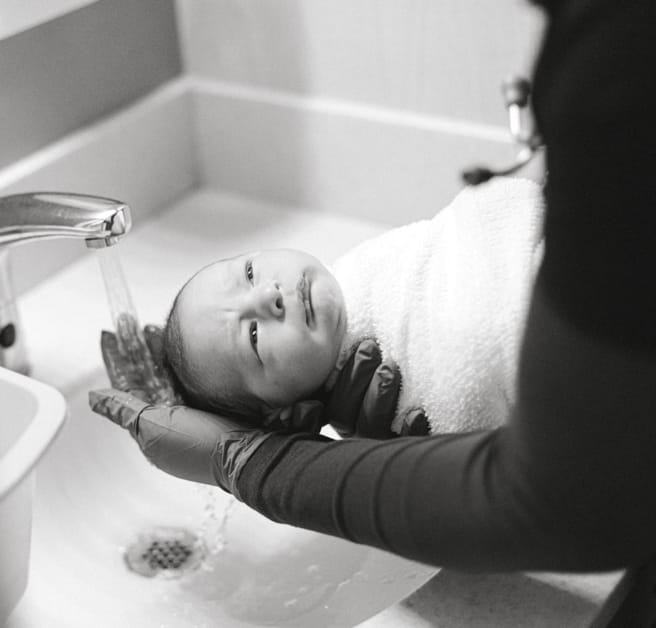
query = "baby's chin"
x=326 y=361
x=340 y=330
x=333 y=364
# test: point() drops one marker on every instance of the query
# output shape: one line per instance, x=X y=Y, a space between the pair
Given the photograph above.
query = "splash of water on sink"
x=213 y=525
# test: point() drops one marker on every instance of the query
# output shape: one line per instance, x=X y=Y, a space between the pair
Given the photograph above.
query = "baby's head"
x=255 y=332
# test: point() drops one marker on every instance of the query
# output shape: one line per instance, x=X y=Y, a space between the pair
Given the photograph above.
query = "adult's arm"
x=568 y=482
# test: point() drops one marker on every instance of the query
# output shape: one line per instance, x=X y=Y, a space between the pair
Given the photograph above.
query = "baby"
x=255 y=332
x=445 y=298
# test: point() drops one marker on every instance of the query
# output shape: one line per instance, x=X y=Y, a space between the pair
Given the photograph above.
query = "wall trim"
x=348 y=109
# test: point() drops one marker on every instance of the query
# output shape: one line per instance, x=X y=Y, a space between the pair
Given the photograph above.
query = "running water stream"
x=144 y=373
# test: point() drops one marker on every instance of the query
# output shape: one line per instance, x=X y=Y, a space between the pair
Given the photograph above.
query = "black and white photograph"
x=327 y=313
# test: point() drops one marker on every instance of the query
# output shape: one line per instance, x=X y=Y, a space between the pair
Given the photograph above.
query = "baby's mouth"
x=306 y=299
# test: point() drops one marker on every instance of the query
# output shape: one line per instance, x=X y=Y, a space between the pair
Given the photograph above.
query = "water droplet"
x=360 y=576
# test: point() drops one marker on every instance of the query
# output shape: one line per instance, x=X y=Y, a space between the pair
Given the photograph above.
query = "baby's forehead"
x=207 y=326
x=224 y=263
x=230 y=271
x=217 y=272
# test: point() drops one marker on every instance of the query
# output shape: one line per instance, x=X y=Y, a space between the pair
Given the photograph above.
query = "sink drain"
x=166 y=552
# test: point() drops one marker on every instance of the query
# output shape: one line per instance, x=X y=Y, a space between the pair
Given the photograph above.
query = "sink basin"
x=31 y=415
x=97 y=496
x=100 y=506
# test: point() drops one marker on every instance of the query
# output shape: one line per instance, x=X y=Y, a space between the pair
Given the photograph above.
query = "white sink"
x=96 y=493
x=31 y=415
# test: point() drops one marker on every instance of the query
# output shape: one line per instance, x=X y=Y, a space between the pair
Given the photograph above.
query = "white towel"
x=447 y=300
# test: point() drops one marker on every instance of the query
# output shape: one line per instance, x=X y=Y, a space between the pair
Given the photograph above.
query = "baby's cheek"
x=309 y=370
x=303 y=363
x=292 y=386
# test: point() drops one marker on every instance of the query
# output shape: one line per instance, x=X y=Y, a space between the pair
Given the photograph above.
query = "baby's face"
x=270 y=322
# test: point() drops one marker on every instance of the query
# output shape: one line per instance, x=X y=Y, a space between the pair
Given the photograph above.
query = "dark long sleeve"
x=568 y=483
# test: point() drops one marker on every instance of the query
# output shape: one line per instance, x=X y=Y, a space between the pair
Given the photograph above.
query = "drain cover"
x=165 y=551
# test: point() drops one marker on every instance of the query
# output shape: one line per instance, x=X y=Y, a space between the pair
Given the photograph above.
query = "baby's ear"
x=303 y=416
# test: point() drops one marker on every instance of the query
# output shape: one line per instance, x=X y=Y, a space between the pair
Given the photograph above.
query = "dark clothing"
x=569 y=482
x=595 y=97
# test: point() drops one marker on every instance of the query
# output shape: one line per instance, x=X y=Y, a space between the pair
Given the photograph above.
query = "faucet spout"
x=99 y=221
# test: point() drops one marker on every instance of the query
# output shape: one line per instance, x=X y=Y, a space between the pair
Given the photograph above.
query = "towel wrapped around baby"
x=447 y=299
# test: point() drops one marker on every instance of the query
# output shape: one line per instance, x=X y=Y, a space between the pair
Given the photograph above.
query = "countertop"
x=539 y=600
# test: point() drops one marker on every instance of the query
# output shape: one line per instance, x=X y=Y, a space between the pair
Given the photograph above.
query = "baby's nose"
x=269 y=301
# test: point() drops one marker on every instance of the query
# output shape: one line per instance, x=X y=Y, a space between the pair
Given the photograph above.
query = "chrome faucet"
x=101 y=222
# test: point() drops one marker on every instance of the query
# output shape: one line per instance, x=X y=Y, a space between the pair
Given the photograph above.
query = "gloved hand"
x=363 y=401
x=212 y=449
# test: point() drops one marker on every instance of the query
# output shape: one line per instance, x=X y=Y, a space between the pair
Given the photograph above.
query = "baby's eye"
x=253 y=334
x=249 y=271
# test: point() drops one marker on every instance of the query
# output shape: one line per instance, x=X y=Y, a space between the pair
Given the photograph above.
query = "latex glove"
x=189 y=444
x=212 y=449
x=363 y=401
